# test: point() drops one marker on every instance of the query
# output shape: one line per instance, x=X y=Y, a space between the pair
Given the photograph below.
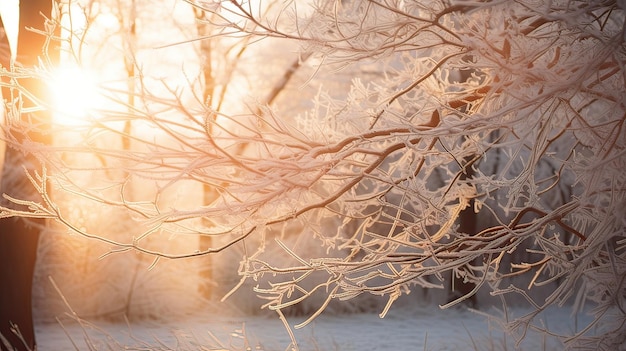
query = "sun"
x=75 y=96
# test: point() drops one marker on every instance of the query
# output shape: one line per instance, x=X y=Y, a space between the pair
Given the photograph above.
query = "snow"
x=414 y=328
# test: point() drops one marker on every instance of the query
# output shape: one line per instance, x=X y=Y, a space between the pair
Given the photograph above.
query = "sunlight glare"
x=75 y=97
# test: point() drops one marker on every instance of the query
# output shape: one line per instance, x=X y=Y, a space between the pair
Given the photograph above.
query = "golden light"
x=74 y=95
x=73 y=91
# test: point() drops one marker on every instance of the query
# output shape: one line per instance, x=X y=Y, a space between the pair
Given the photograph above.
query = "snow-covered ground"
x=418 y=328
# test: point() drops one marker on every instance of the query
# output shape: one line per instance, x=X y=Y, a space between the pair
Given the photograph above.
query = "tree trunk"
x=467 y=218
x=467 y=224
x=203 y=28
x=19 y=237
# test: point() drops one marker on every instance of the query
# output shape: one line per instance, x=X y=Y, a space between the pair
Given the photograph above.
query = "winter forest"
x=299 y=159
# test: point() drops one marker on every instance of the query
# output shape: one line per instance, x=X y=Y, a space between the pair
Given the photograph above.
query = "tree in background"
x=378 y=176
x=25 y=124
x=222 y=59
